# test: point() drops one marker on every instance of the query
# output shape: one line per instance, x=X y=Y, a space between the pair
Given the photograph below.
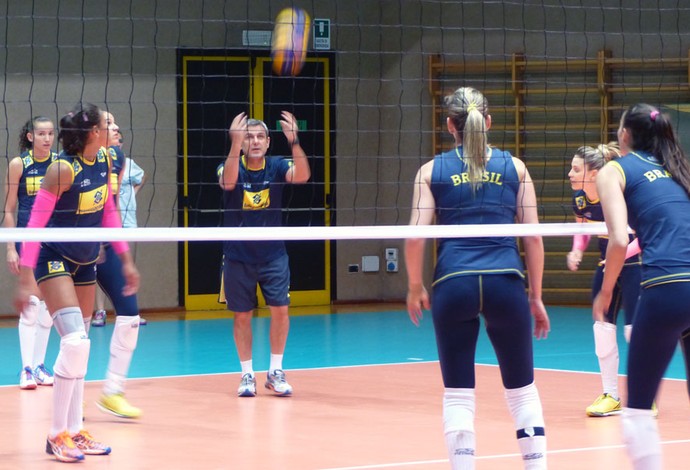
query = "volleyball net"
x=557 y=75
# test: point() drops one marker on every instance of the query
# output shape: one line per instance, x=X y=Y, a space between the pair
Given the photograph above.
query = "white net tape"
x=379 y=232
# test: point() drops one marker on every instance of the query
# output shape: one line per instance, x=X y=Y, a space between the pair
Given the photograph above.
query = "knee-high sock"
x=122 y=346
x=458 y=427
x=525 y=407
x=641 y=436
x=606 y=347
x=27 y=331
x=75 y=412
x=44 y=325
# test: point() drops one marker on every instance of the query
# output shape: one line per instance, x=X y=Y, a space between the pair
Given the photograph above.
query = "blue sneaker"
x=276 y=381
x=99 y=318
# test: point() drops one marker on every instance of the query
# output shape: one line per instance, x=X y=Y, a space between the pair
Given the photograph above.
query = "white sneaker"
x=276 y=381
x=42 y=376
x=247 y=386
x=26 y=379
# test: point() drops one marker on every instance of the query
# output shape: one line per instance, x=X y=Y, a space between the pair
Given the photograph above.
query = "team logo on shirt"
x=256 y=200
x=92 y=201
x=580 y=202
x=33 y=184
x=56 y=267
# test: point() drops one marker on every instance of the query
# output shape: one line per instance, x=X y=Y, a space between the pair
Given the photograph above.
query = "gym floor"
x=367 y=395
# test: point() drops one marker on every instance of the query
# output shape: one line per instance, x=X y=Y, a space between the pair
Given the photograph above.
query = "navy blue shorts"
x=661 y=319
x=52 y=264
x=240 y=280
x=502 y=301
x=625 y=293
x=110 y=278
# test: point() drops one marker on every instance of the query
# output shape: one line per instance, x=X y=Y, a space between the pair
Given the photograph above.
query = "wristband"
x=295 y=142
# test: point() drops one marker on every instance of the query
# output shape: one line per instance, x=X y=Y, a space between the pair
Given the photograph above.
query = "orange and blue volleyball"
x=289 y=41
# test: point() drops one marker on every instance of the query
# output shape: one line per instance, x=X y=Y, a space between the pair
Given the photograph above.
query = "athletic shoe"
x=43 y=375
x=143 y=321
x=247 y=386
x=63 y=448
x=604 y=405
x=86 y=443
x=26 y=379
x=99 y=318
x=118 y=405
x=276 y=381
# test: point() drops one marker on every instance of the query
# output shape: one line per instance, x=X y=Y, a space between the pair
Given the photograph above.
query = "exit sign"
x=322 y=34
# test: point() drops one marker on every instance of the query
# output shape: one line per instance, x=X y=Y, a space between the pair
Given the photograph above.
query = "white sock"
x=525 y=407
x=27 y=343
x=122 y=345
x=606 y=348
x=75 y=413
x=458 y=427
x=641 y=437
x=247 y=367
x=42 y=338
x=276 y=362
x=63 y=389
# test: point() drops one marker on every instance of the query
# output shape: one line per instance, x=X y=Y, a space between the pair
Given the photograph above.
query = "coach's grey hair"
x=258 y=122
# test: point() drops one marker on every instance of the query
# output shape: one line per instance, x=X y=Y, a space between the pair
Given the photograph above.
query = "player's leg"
x=455 y=313
x=685 y=349
x=660 y=319
x=239 y=280
x=27 y=327
x=274 y=281
x=71 y=362
x=100 y=316
x=509 y=327
x=44 y=325
x=124 y=339
x=606 y=349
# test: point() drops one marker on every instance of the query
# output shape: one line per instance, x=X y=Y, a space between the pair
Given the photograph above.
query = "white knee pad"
x=125 y=333
x=29 y=315
x=627 y=332
x=44 y=318
x=73 y=358
x=605 y=342
x=458 y=409
x=641 y=434
x=525 y=406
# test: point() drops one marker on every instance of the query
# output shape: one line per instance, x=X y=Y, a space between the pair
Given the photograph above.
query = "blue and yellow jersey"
x=256 y=201
x=590 y=211
x=117 y=161
x=659 y=212
x=33 y=172
x=494 y=202
x=82 y=205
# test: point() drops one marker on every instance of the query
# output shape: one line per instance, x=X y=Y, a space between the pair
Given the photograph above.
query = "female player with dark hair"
x=75 y=193
x=648 y=189
x=24 y=178
x=472 y=184
x=585 y=166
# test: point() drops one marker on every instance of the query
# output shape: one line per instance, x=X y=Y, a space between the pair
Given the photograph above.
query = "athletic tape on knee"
x=640 y=433
x=69 y=320
x=627 y=331
x=44 y=318
x=29 y=315
x=73 y=358
x=125 y=333
x=458 y=409
x=605 y=342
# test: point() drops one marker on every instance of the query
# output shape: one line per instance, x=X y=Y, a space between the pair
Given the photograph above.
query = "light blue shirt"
x=132 y=175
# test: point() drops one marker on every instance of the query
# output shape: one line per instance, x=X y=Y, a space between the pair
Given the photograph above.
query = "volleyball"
x=289 y=41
